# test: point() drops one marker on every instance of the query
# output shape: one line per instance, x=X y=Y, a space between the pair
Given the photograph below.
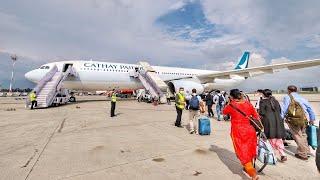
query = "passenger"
x=226 y=97
x=270 y=113
x=180 y=105
x=194 y=111
x=33 y=99
x=259 y=93
x=295 y=110
x=245 y=96
x=168 y=98
x=209 y=103
x=318 y=152
x=242 y=133
x=113 y=103
x=220 y=102
x=187 y=95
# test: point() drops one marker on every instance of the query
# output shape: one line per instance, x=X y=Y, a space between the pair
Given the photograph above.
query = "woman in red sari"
x=242 y=133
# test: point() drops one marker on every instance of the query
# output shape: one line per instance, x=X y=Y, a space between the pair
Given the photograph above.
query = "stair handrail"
x=52 y=94
x=42 y=82
x=154 y=85
x=151 y=83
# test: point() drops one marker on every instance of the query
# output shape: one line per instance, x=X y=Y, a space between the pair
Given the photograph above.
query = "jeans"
x=218 y=109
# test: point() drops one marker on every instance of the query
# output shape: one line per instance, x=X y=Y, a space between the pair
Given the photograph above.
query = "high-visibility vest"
x=113 y=97
x=180 y=101
x=33 y=96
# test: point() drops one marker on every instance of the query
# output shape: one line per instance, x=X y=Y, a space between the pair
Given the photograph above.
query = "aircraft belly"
x=107 y=81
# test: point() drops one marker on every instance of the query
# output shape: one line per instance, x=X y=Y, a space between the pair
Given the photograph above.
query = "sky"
x=205 y=34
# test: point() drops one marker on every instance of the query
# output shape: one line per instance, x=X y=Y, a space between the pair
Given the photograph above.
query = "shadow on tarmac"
x=229 y=159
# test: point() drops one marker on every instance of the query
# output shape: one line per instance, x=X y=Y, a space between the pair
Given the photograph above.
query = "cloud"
x=206 y=33
x=275 y=25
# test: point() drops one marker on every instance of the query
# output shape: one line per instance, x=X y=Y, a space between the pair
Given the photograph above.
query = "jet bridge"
x=151 y=81
x=49 y=87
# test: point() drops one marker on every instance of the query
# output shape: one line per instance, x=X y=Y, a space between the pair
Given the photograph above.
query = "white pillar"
x=14 y=59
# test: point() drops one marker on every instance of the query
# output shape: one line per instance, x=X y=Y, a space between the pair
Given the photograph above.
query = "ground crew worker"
x=180 y=104
x=33 y=99
x=113 y=103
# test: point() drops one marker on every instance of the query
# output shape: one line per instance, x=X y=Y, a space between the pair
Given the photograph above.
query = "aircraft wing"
x=255 y=71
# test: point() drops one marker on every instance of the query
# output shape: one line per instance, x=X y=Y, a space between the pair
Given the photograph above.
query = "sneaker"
x=191 y=132
x=179 y=126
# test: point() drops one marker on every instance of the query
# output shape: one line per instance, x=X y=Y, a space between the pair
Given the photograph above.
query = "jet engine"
x=186 y=84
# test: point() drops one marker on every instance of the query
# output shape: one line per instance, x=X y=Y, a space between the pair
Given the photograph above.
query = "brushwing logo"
x=244 y=61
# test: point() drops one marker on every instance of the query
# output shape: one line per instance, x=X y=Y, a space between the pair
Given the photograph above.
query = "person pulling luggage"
x=270 y=113
x=318 y=152
x=296 y=111
x=196 y=104
x=180 y=105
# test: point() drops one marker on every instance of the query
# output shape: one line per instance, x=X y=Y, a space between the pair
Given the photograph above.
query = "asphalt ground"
x=81 y=141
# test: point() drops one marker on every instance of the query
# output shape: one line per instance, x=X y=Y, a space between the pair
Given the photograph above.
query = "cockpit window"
x=44 y=67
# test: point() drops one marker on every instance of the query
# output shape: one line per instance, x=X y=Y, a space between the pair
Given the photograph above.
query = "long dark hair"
x=268 y=94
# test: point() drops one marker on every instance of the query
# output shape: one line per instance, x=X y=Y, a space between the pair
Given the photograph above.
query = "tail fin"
x=244 y=61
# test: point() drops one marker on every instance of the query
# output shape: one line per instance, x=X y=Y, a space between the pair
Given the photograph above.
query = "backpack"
x=194 y=103
x=220 y=100
x=296 y=115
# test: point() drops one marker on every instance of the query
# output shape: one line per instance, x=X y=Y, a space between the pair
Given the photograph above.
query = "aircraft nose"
x=29 y=75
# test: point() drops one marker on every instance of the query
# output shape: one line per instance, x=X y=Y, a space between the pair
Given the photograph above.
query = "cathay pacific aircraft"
x=96 y=75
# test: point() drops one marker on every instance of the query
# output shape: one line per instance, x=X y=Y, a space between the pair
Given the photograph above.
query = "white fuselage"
x=95 y=75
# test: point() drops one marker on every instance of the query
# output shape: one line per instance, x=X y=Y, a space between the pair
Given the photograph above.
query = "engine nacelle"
x=187 y=85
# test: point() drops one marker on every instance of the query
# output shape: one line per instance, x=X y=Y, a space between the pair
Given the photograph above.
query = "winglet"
x=244 y=61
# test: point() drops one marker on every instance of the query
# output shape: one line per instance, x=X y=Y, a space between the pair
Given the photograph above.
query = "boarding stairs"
x=50 y=86
x=151 y=81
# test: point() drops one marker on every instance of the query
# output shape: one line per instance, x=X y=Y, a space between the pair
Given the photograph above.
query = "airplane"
x=101 y=76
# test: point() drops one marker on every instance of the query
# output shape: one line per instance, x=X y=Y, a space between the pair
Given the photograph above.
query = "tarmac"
x=80 y=141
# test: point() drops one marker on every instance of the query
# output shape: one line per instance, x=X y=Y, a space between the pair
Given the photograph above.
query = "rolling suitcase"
x=312 y=136
x=204 y=126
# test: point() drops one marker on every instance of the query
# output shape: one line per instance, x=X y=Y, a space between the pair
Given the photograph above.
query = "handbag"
x=258 y=126
x=265 y=153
